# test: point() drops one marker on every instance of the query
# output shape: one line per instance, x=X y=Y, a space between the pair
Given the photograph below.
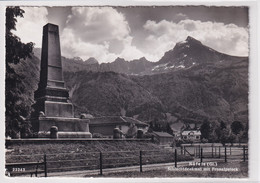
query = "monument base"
x=43 y=134
x=67 y=127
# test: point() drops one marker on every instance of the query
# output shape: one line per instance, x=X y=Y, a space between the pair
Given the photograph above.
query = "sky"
x=106 y=33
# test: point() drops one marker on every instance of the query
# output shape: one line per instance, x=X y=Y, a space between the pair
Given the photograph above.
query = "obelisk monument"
x=51 y=94
x=52 y=107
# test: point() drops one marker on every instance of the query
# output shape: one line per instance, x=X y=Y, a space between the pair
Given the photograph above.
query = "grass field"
x=85 y=155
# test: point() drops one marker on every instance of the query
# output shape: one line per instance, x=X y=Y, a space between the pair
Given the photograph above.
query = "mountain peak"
x=143 y=59
x=190 y=39
x=91 y=60
x=118 y=59
x=77 y=58
x=190 y=52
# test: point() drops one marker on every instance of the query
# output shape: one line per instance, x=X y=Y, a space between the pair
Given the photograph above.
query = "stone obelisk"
x=52 y=107
x=51 y=95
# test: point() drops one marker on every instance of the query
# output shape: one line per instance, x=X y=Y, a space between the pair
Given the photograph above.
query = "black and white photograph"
x=112 y=91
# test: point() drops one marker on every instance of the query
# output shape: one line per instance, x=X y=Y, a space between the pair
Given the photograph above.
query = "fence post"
x=219 y=151
x=141 y=161
x=45 y=165
x=212 y=151
x=100 y=163
x=184 y=150
x=201 y=155
x=225 y=154
x=175 y=158
x=36 y=171
x=244 y=153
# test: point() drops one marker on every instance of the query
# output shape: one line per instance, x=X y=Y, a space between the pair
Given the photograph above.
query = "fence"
x=75 y=161
x=19 y=168
x=62 y=162
x=231 y=153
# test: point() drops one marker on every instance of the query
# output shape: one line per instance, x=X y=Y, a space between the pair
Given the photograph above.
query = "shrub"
x=178 y=142
x=97 y=135
x=148 y=135
x=204 y=140
x=188 y=141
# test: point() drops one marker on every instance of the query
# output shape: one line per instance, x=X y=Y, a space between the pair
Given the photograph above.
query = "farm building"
x=194 y=135
x=163 y=138
x=105 y=125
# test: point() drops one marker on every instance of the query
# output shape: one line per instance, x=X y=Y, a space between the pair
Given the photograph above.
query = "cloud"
x=97 y=24
x=99 y=32
x=229 y=39
x=29 y=28
x=72 y=46
x=104 y=33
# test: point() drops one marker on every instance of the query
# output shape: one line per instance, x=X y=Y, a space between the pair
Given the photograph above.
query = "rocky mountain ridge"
x=190 y=83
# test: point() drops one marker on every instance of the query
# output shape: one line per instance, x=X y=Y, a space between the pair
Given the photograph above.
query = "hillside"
x=188 y=54
x=213 y=91
x=204 y=84
x=109 y=93
x=219 y=92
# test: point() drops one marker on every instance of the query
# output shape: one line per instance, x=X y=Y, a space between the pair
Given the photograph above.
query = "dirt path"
x=112 y=170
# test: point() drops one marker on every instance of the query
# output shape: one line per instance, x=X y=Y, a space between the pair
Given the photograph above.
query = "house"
x=163 y=138
x=106 y=124
x=193 y=135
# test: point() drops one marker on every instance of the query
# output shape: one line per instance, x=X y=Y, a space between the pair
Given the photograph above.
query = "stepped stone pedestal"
x=52 y=107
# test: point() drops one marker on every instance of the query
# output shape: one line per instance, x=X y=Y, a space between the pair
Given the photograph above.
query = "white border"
x=254 y=80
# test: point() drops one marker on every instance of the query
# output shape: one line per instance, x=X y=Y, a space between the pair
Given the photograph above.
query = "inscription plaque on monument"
x=52 y=107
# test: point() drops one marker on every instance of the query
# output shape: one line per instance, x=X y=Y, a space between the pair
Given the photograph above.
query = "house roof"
x=188 y=132
x=118 y=120
x=135 y=121
x=162 y=134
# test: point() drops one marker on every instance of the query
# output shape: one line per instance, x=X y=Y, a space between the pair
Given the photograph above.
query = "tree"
x=169 y=129
x=222 y=125
x=212 y=136
x=232 y=138
x=224 y=137
x=218 y=130
x=240 y=137
x=237 y=127
x=16 y=109
x=245 y=133
x=205 y=129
